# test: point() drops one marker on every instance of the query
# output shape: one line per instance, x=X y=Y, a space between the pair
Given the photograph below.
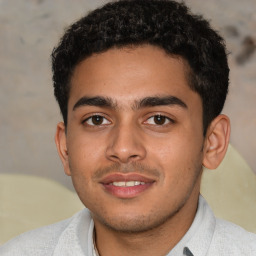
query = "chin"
x=133 y=223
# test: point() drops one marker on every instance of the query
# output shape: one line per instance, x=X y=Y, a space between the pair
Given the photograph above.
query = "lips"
x=116 y=177
x=126 y=185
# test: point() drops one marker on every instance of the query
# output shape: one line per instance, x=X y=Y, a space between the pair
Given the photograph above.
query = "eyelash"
x=96 y=116
x=166 y=120
x=105 y=121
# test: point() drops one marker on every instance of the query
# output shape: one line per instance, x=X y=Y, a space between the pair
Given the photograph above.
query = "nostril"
x=114 y=156
x=133 y=156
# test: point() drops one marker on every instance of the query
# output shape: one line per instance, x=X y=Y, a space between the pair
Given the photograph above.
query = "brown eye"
x=96 y=120
x=160 y=120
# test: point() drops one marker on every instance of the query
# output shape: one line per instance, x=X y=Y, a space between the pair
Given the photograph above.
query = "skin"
x=115 y=129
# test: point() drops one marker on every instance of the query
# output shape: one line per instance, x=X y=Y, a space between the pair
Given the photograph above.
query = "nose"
x=125 y=145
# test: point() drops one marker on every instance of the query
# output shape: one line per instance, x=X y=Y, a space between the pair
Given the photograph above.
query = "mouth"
x=127 y=183
x=126 y=186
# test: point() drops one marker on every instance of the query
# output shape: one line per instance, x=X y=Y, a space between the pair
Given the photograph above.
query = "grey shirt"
x=207 y=236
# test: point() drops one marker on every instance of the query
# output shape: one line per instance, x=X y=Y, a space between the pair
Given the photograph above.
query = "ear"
x=216 y=142
x=61 y=144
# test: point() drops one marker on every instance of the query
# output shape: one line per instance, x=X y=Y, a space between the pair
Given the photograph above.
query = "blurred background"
x=29 y=29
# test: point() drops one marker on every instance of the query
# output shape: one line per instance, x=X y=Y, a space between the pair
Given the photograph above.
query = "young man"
x=141 y=85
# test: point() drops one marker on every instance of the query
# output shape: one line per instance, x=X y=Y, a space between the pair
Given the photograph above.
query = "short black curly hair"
x=163 y=23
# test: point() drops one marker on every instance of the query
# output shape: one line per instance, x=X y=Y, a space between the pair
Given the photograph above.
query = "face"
x=134 y=138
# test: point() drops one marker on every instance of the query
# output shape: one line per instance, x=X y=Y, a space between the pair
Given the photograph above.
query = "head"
x=140 y=85
x=166 y=24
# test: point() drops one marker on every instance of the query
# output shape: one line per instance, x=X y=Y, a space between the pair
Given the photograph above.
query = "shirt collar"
x=77 y=238
x=198 y=238
x=200 y=242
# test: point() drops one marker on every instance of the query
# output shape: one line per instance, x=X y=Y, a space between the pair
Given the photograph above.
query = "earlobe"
x=216 y=141
x=61 y=144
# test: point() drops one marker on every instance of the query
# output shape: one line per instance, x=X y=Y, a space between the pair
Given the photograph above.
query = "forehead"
x=131 y=73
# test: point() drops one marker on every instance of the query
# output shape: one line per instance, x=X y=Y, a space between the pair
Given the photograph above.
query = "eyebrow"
x=97 y=101
x=160 y=101
x=100 y=101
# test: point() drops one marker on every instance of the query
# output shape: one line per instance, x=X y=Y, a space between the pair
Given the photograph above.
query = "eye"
x=96 y=120
x=159 y=120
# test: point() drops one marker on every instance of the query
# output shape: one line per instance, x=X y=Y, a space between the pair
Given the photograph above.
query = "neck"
x=158 y=241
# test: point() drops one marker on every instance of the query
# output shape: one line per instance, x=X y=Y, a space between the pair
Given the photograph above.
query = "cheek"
x=177 y=150
x=85 y=150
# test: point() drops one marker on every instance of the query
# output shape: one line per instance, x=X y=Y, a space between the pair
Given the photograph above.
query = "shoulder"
x=230 y=239
x=38 y=242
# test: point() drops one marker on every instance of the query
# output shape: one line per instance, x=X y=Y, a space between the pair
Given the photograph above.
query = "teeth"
x=127 y=183
x=119 y=183
x=130 y=183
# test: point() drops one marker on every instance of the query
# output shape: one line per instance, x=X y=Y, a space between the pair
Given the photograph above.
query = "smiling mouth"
x=126 y=186
x=127 y=183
